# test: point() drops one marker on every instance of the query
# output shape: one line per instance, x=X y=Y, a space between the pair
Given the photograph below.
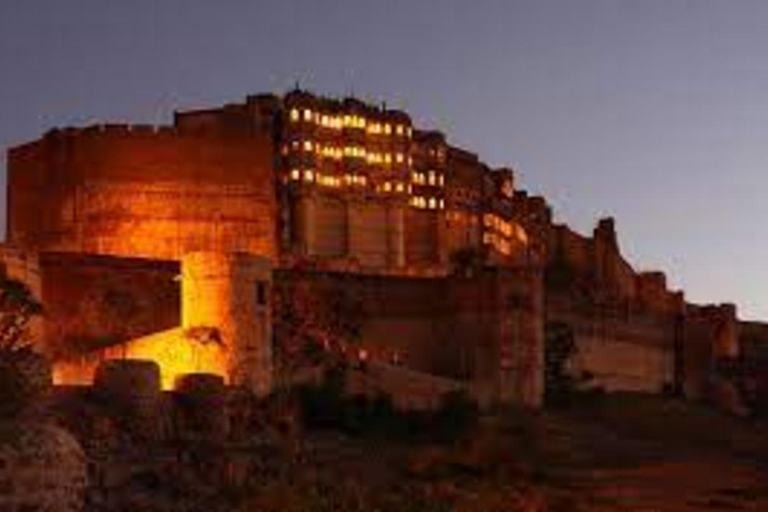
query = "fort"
x=139 y=240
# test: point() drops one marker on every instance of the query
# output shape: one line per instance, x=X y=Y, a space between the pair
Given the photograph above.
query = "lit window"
x=324 y=120
x=387 y=129
x=387 y=186
x=317 y=118
x=294 y=115
x=307 y=115
x=387 y=158
x=432 y=203
x=363 y=180
x=399 y=186
x=361 y=122
x=409 y=131
x=410 y=161
x=295 y=174
x=441 y=179
x=307 y=145
x=347 y=120
x=308 y=175
x=295 y=144
x=442 y=204
x=431 y=177
x=410 y=188
x=399 y=129
x=399 y=158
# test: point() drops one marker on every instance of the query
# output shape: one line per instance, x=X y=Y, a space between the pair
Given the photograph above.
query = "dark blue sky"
x=654 y=111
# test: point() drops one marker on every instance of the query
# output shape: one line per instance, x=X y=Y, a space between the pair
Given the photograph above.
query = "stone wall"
x=485 y=329
x=91 y=301
x=142 y=192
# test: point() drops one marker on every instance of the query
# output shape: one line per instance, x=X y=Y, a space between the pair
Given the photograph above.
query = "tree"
x=17 y=307
x=24 y=375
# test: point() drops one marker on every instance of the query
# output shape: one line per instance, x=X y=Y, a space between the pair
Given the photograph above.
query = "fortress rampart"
x=139 y=192
x=462 y=274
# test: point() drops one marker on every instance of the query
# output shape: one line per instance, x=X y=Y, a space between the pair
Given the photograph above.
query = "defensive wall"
x=142 y=192
x=106 y=222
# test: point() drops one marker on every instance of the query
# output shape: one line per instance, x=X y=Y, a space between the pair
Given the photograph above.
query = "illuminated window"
x=399 y=186
x=399 y=158
x=387 y=186
x=307 y=145
x=295 y=174
x=317 y=118
x=363 y=180
x=387 y=129
x=294 y=115
x=324 y=120
x=399 y=129
x=410 y=161
x=431 y=177
x=295 y=144
x=442 y=204
x=387 y=158
x=408 y=131
x=307 y=115
x=441 y=180
x=432 y=203
x=309 y=175
x=410 y=188
x=347 y=120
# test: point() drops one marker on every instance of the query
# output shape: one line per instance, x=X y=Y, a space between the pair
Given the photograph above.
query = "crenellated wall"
x=142 y=192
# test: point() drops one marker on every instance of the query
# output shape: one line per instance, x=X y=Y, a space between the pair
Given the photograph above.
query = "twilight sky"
x=653 y=111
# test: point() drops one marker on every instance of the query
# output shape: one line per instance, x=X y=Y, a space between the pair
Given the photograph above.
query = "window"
x=307 y=145
x=399 y=158
x=432 y=203
x=442 y=204
x=387 y=186
x=294 y=115
x=399 y=186
x=431 y=177
x=307 y=115
x=441 y=179
x=295 y=175
x=309 y=175
x=399 y=130
x=261 y=293
x=387 y=129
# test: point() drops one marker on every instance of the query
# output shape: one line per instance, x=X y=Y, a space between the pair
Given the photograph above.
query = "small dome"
x=42 y=468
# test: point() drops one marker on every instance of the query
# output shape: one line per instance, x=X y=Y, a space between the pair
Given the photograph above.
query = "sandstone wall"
x=142 y=192
x=486 y=329
x=91 y=301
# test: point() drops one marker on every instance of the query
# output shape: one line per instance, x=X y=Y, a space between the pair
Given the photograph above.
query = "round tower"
x=230 y=294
